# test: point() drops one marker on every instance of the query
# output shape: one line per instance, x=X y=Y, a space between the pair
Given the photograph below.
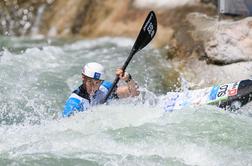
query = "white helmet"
x=93 y=70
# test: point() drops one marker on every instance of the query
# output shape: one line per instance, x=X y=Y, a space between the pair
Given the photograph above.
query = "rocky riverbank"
x=204 y=49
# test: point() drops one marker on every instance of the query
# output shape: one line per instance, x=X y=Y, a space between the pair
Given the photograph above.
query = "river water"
x=38 y=75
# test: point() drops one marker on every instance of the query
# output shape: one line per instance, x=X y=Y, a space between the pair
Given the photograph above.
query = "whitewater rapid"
x=37 y=76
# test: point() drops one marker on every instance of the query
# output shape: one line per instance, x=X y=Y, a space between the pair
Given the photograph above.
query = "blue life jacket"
x=80 y=100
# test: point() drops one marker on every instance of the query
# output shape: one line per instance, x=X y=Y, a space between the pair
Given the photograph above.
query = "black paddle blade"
x=147 y=32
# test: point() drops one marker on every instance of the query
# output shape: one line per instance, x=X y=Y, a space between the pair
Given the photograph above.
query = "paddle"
x=146 y=34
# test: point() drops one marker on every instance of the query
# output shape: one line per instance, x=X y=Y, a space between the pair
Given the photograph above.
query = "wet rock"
x=167 y=4
x=207 y=51
x=199 y=74
x=18 y=17
x=92 y=18
x=225 y=41
x=201 y=48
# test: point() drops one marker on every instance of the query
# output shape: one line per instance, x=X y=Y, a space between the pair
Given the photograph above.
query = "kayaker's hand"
x=131 y=89
x=122 y=75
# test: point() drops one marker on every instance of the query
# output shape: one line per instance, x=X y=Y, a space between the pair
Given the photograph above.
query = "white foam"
x=135 y=131
x=85 y=44
x=6 y=56
x=85 y=127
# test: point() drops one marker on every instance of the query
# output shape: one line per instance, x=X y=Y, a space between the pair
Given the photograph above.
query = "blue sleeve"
x=72 y=104
x=107 y=84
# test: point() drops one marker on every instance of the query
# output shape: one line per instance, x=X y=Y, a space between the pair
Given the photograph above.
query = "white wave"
x=6 y=56
x=23 y=138
x=123 y=130
x=42 y=58
x=36 y=82
x=85 y=44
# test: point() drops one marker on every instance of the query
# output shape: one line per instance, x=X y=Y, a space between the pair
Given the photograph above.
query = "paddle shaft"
x=146 y=34
x=132 y=52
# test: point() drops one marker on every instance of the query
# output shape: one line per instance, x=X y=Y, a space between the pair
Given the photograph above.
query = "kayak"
x=230 y=96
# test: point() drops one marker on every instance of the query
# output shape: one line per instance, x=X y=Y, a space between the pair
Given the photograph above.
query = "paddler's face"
x=92 y=85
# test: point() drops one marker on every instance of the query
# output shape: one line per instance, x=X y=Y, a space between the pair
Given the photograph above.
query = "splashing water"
x=37 y=76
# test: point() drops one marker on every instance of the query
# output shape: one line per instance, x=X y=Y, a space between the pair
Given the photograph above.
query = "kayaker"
x=94 y=89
